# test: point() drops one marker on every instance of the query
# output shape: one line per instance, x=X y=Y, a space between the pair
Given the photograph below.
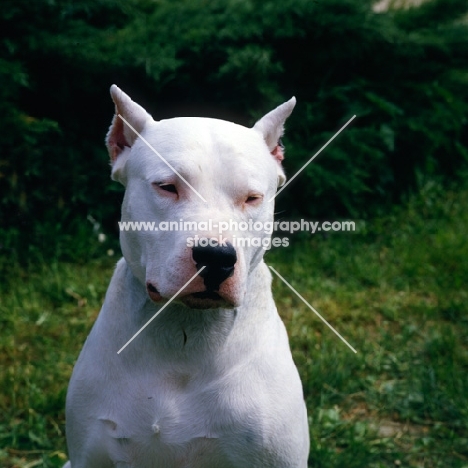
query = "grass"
x=396 y=290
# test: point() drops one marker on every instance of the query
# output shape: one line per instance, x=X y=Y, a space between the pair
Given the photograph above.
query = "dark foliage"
x=404 y=73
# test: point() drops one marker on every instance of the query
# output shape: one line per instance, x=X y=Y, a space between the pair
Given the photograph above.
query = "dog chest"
x=177 y=423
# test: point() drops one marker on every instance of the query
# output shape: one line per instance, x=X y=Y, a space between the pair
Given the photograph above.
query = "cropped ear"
x=120 y=135
x=271 y=126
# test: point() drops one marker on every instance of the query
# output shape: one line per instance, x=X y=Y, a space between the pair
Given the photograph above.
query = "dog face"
x=204 y=183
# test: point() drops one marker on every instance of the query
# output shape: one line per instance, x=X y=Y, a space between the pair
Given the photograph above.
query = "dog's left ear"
x=271 y=126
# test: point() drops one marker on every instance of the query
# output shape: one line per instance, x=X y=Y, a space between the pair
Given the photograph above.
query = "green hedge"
x=404 y=73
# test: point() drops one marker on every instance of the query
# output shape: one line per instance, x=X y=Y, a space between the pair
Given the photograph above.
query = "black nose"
x=219 y=262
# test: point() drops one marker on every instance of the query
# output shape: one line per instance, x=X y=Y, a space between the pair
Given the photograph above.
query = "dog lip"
x=153 y=293
x=151 y=288
x=206 y=300
x=207 y=295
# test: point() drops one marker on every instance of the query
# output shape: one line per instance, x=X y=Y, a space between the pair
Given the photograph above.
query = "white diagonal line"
x=162 y=159
x=311 y=308
x=160 y=310
x=312 y=158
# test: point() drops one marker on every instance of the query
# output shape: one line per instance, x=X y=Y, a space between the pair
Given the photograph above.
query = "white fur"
x=208 y=387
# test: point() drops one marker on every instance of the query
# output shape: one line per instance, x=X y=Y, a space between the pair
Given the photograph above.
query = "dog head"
x=203 y=187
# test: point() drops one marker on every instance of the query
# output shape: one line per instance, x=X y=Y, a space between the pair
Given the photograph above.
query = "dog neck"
x=182 y=334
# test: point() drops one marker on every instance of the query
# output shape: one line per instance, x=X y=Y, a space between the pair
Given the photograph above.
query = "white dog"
x=210 y=383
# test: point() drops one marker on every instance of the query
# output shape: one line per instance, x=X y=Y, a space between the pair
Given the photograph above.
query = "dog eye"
x=253 y=199
x=166 y=187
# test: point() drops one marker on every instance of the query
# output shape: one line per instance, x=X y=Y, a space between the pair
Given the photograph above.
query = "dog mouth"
x=208 y=299
x=207 y=295
x=205 y=300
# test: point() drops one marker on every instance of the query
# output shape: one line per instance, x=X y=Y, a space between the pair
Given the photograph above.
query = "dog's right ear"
x=129 y=121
